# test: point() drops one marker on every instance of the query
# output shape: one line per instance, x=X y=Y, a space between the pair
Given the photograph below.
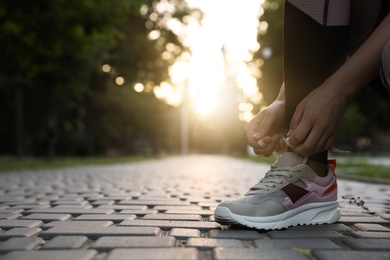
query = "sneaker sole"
x=309 y=214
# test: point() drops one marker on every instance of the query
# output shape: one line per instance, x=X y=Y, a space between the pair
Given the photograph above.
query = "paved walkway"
x=163 y=209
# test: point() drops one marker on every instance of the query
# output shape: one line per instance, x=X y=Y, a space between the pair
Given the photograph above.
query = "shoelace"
x=273 y=178
x=288 y=144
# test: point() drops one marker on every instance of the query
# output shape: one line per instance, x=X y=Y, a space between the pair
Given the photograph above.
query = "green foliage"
x=12 y=164
x=56 y=98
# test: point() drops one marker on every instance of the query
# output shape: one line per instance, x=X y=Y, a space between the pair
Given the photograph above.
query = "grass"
x=8 y=163
x=361 y=167
x=347 y=166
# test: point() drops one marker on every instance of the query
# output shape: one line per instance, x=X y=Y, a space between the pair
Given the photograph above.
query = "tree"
x=49 y=51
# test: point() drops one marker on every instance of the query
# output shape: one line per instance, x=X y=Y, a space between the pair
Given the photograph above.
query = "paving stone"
x=367 y=244
x=171 y=224
x=137 y=212
x=20 y=232
x=95 y=232
x=11 y=211
x=65 y=242
x=70 y=206
x=184 y=233
x=210 y=243
x=155 y=254
x=72 y=211
x=334 y=227
x=188 y=207
x=355 y=255
x=117 y=218
x=384 y=215
x=353 y=220
x=16 y=223
x=10 y=216
x=236 y=234
x=275 y=244
x=110 y=243
x=172 y=217
x=371 y=227
x=48 y=217
x=50 y=255
x=30 y=206
x=102 y=202
x=256 y=254
x=123 y=207
x=77 y=224
x=151 y=203
x=285 y=234
x=20 y=244
x=361 y=234
x=203 y=213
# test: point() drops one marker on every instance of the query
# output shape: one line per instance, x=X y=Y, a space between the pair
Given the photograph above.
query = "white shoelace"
x=288 y=144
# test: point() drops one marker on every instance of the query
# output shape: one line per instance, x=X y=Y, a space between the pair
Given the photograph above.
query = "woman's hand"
x=316 y=120
x=268 y=126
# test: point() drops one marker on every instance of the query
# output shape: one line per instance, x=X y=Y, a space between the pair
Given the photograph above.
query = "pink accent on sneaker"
x=321 y=189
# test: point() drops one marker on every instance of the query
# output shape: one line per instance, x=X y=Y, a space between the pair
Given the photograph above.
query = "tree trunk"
x=19 y=122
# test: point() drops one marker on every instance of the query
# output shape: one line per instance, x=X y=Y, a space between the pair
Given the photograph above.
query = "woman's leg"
x=312 y=52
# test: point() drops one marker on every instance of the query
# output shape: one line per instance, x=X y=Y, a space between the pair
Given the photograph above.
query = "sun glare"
x=220 y=56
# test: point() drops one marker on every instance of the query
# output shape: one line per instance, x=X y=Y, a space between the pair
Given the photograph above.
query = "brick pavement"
x=163 y=209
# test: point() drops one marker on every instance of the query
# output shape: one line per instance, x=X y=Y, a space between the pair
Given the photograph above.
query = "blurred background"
x=149 y=77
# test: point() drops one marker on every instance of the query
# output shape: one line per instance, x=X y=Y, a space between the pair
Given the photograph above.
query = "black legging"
x=312 y=53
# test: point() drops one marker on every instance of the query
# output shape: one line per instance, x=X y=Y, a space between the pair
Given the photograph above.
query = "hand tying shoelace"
x=288 y=144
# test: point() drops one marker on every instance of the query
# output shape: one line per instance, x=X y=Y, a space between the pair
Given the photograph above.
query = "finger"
x=262 y=144
x=298 y=135
x=310 y=145
x=265 y=146
x=253 y=129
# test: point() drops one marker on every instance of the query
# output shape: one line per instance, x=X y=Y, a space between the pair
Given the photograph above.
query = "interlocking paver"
x=155 y=254
x=355 y=255
x=122 y=207
x=10 y=216
x=94 y=232
x=210 y=243
x=110 y=243
x=371 y=227
x=236 y=234
x=367 y=244
x=72 y=211
x=163 y=209
x=7 y=223
x=171 y=224
x=256 y=254
x=50 y=255
x=117 y=218
x=285 y=234
x=371 y=219
x=20 y=244
x=361 y=234
x=48 y=217
x=275 y=244
x=20 y=232
x=78 y=224
x=184 y=233
x=65 y=242
x=138 y=212
x=204 y=213
x=172 y=217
